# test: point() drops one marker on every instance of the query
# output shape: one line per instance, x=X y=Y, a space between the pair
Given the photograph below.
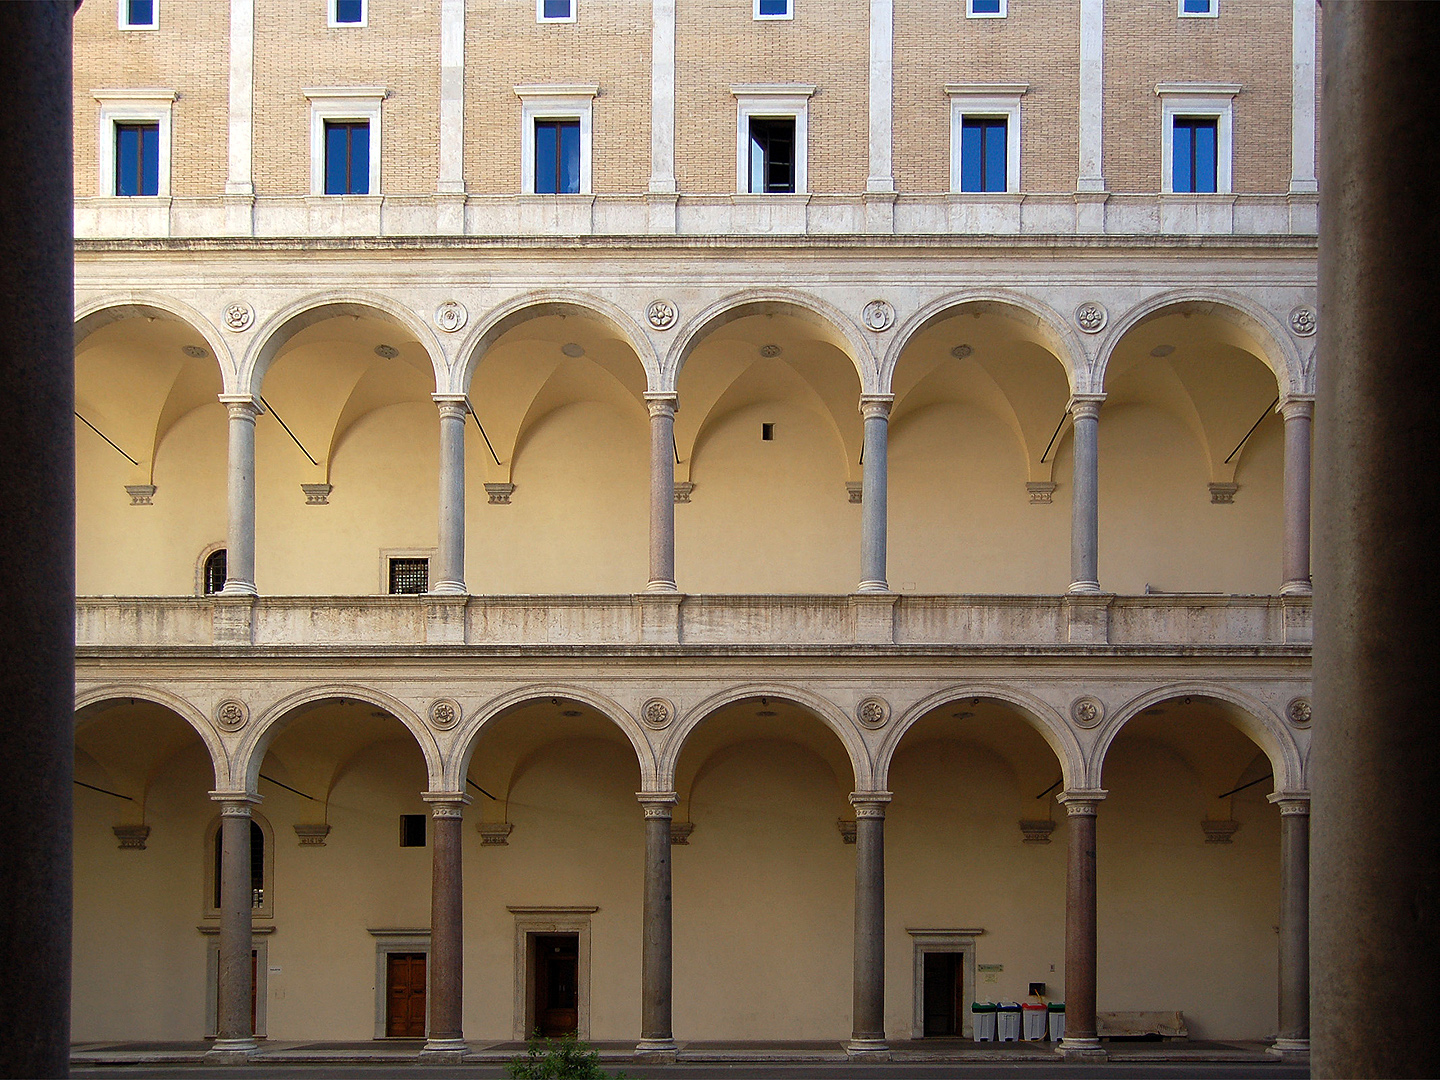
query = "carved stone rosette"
x=231 y=715
x=661 y=314
x=1303 y=322
x=1087 y=711
x=873 y=712
x=451 y=316
x=239 y=317
x=445 y=713
x=1091 y=317
x=657 y=713
x=1298 y=712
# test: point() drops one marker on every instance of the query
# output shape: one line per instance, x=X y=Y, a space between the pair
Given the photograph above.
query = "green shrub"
x=566 y=1058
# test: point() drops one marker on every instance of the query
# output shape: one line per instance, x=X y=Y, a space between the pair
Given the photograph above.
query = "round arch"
x=219 y=756
x=1256 y=720
x=97 y=314
x=834 y=326
x=280 y=327
x=533 y=305
x=824 y=710
x=1277 y=351
x=468 y=735
x=256 y=741
x=1042 y=717
x=1054 y=333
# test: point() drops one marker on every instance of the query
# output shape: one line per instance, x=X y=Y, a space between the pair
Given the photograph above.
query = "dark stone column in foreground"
x=446 y=1039
x=657 y=1038
x=37 y=531
x=1375 y=762
x=1081 y=1041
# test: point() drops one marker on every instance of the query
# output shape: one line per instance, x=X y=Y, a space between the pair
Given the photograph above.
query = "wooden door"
x=944 y=994
x=405 y=995
x=557 y=984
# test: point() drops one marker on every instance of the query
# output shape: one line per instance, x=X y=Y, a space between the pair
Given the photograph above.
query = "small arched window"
x=257 y=864
x=214 y=573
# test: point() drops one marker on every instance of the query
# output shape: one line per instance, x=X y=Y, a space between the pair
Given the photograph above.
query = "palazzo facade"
x=754 y=520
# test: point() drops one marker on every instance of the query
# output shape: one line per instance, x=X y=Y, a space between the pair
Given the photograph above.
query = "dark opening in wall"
x=767 y=432
x=409 y=576
x=412 y=830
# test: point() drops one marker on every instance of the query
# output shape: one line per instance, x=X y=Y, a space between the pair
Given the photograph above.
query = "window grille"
x=215 y=571
x=409 y=576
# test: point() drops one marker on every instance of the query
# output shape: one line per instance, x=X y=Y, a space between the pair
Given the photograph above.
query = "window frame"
x=353 y=104
x=986 y=101
x=139 y=106
x=777 y=101
x=971 y=13
x=124 y=17
x=789 y=14
x=541 y=17
x=1212 y=13
x=555 y=102
x=332 y=12
x=1202 y=101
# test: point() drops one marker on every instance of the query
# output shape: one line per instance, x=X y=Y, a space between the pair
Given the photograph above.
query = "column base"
x=443 y=1051
x=449 y=588
x=657 y=1051
x=873 y=586
x=239 y=588
x=1081 y=1050
x=231 y=1051
x=1083 y=588
x=1297 y=588
x=662 y=586
x=1291 y=1050
x=869 y=1049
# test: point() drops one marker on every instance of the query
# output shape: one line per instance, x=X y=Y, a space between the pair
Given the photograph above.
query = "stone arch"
x=219 y=756
x=1278 y=350
x=262 y=731
x=835 y=327
x=1050 y=725
x=1054 y=332
x=531 y=305
x=94 y=315
x=280 y=327
x=824 y=710
x=468 y=735
x=1256 y=720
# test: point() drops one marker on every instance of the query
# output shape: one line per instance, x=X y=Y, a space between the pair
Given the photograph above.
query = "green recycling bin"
x=1056 y=1009
x=984 y=1016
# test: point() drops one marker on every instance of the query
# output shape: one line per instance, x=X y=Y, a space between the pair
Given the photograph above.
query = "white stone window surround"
x=555 y=102
x=1212 y=11
x=788 y=14
x=266 y=910
x=971 y=13
x=396 y=940
x=146 y=105
x=772 y=100
x=533 y=921
x=943 y=940
x=541 y=17
x=260 y=945
x=986 y=101
x=351 y=103
x=386 y=554
x=1205 y=101
x=126 y=24
x=333 y=21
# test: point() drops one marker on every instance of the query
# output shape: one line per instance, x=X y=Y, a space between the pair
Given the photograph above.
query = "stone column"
x=235 y=1035
x=1085 y=507
x=657 y=1039
x=450 y=574
x=867 y=1035
x=1297 y=413
x=445 y=1040
x=37 y=575
x=874 y=494
x=662 y=492
x=1294 y=1035
x=1081 y=1041
x=240 y=543
x=1375 y=919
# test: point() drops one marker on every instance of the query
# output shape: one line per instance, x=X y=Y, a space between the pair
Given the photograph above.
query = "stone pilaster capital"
x=236 y=803
x=1291 y=802
x=446 y=804
x=657 y=804
x=452 y=406
x=1085 y=406
x=662 y=405
x=1297 y=407
x=242 y=406
x=869 y=804
x=1081 y=802
x=876 y=406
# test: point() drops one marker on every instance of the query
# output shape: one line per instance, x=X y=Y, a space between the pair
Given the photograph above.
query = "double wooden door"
x=405 y=995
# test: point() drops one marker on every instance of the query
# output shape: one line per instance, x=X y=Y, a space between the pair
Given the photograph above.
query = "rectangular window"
x=774 y=9
x=982 y=154
x=1195 y=154
x=985 y=9
x=772 y=154
x=557 y=157
x=555 y=10
x=409 y=577
x=1199 y=9
x=347 y=12
x=137 y=159
x=347 y=157
x=138 y=15
x=412 y=830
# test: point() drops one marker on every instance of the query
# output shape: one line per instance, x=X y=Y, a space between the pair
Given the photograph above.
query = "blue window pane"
x=557 y=9
x=774 y=7
x=985 y=7
x=1205 y=157
x=140 y=12
x=359 y=159
x=1194 y=155
x=971 y=157
x=982 y=155
x=547 y=147
x=137 y=159
x=570 y=158
x=994 y=155
x=1197 y=7
x=1184 y=154
x=336 y=138
x=347 y=158
x=349 y=11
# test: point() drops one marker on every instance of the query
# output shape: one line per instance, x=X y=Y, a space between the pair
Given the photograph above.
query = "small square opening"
x=767 y=432
x=412 y=830
x=409 y=577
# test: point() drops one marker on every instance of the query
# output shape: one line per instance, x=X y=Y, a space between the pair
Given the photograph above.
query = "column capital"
x=446 y=804
x=662 y=404
x=1291 y=802
x=236 y=803
x=452 y=405
x=657 y=804
x=1084 y=405
x=1297 y=407
x=1081 y=802
x=876 y=406
x=242 y=406
x=869 y=804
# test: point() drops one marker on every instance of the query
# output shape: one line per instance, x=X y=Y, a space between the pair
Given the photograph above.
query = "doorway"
x=405 y=995
x=944 y=994
x=556 y=974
